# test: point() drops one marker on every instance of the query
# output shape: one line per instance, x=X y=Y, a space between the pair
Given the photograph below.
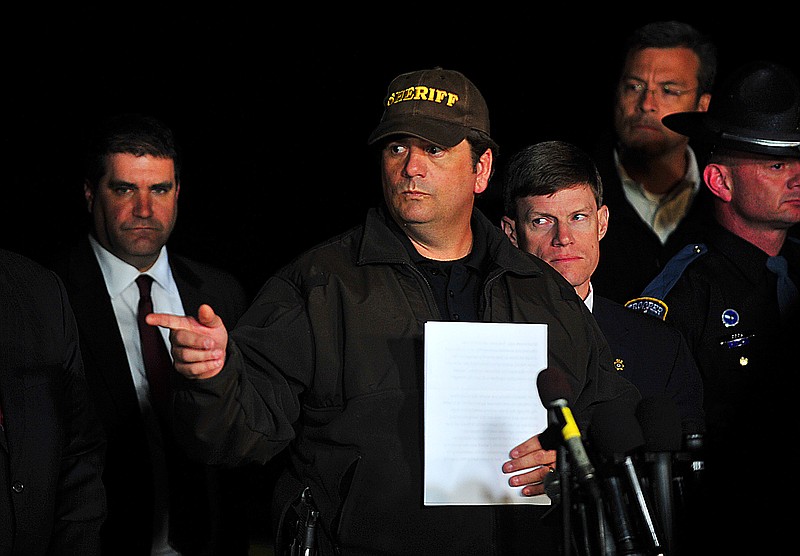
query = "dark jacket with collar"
x=51 y=455
x=724 y=301
x=328 y=362
x=203 y=520
x=654 y=356
x=631 y=254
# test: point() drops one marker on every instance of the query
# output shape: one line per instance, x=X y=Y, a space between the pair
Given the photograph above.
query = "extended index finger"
x=173 y=322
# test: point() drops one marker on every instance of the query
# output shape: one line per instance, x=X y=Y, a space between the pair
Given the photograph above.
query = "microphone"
x=661 y=426
x=615 y=434
x=691 y=515
x=554 y=392
x=694 y=444
x=552 y=487
x=562 y=433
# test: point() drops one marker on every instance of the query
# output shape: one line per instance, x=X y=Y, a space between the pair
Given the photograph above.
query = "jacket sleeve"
x=80 y=503
x=685 y=387
x=247 y=411
x=603 y=385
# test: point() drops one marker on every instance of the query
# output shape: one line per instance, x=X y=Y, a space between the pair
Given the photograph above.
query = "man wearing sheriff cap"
x=326 y=367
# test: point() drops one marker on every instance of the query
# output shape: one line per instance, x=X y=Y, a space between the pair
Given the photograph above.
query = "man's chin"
x=144 y=246
x=645 y=146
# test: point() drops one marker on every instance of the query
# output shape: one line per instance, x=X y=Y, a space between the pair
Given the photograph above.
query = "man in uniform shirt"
x=726 y=295
x=553 y=205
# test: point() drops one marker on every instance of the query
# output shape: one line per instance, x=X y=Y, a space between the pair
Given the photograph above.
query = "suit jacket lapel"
x=613 y=328
x=12 y=386
x=101 y=341
x=189 y=285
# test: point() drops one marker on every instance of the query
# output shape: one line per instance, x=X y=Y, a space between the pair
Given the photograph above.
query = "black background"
x=272 y=108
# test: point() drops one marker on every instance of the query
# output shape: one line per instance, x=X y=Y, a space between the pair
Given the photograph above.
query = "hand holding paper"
x=481 y=400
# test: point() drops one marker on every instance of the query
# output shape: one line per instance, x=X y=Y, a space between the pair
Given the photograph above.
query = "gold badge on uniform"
x=649 y=306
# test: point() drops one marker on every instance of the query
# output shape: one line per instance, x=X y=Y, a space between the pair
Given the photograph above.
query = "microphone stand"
x=559 y=487
x=565 y=484
x=688 y=467
x=661 y=473
x=573 y=463
x=642 y=506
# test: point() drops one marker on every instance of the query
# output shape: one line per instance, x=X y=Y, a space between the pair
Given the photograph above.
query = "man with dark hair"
x=650 y=175
x=553 y=204
x=734 y=296
x=159 y=502
x=328 y=361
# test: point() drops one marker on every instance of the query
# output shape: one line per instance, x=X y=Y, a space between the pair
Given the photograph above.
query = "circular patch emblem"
x=730 y=317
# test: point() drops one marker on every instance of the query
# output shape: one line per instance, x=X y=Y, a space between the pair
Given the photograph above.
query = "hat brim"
x=690 y=124
x=443 y=134
x=702 y=128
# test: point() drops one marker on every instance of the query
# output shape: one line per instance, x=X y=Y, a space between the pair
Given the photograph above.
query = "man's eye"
x=433 y=149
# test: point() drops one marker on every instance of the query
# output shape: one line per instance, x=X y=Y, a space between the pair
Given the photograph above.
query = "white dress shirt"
x=120 y=282
x=589 y=301
x=662 y=213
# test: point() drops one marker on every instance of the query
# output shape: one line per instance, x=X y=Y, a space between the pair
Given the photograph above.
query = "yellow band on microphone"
x=570 y=429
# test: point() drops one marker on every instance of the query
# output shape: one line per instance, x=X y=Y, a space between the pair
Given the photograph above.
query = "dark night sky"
x=272 y=112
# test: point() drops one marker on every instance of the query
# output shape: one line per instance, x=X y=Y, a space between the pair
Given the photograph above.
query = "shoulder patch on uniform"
x=649 y=305
x=660 y=286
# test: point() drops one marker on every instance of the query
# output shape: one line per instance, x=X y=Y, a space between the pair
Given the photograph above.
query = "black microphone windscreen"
x=661 y=424
x=614 y=430
x=553 y=385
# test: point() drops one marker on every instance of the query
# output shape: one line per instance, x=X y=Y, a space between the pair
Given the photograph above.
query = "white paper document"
x=481 y=400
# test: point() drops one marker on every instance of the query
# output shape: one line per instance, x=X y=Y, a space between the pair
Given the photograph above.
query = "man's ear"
x=510 y=228
x=483 y=171
x=602 y=221
x=719 y=181
x=88 y=194
x=703 y=101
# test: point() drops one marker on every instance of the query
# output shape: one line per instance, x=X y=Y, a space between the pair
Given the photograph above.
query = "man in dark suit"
x=652 y=185
x=52 y=499
x=553 y=203
x=158 y=501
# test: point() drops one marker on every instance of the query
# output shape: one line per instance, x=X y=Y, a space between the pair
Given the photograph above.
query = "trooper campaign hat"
x=438 y=105
x=757 y=109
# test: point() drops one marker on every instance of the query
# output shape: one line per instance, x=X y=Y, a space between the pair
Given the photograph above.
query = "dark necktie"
x=787 y=291
x=157 y=362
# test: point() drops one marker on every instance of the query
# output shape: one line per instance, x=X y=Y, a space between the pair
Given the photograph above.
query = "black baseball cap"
x=438 y=105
